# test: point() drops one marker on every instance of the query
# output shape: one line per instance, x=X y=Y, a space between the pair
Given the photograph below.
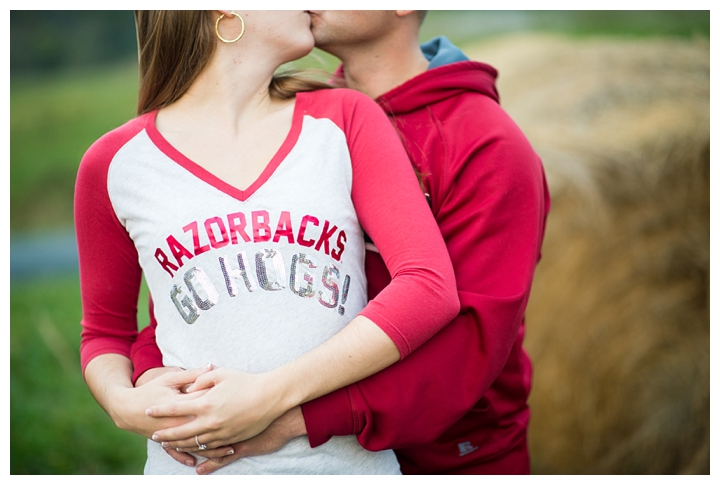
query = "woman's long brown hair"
x=174 y=46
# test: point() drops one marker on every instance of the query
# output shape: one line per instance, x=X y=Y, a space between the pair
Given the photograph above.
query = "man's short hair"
x=421 y=15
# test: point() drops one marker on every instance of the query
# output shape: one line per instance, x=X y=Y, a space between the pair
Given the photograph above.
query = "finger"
x=216 y=452
x=185 y=406
x=204 y=381
x=190 y=436
x=195 y=393
x=180 y=457
x=210 y=466
x=183 y=446
x=210 y=442
x=184 y=377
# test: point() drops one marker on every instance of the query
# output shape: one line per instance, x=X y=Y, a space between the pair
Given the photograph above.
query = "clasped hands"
x=232 y=413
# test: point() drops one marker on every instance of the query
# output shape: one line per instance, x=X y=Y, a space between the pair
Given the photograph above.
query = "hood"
x=450 y=73
x=440 y=51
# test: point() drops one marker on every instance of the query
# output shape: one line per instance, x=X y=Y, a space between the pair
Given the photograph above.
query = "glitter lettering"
x=164 y=262
x=337 y=252
x=324 y=236
x=236 y=225
x=284 y=228
x=197 y=276
x=302 y=259
x=192 y=313
x=225 y=239
x=231 y=274
x=178 y=250
x=277 y=279
x=303 y=226
x=261 y=226
x=193 y=226
x=327 y=281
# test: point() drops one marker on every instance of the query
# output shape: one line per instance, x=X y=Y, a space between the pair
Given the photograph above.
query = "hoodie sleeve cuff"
x=328 y=416
x=144 y=356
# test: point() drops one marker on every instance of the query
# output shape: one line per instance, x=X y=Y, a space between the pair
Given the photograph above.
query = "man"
x=459 y=403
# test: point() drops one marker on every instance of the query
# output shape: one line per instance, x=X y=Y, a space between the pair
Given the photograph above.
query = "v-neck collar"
x=201 y=173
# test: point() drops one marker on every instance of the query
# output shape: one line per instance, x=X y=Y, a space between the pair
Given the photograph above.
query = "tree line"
x=44 y=41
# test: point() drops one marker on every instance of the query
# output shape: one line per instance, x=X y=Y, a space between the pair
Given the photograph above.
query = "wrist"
x=288 y=391
x=116 y=403
x=295 y=422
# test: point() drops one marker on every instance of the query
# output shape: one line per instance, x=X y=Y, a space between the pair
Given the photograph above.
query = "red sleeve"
x=145 y=354
x=110 y=274
x=491 y=208
x=422 y=296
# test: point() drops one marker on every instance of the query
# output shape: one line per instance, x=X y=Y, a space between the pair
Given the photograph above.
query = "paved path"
x=40 y=254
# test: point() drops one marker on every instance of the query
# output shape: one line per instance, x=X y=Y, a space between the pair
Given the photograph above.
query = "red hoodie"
x=457 y=404
x=461 y=399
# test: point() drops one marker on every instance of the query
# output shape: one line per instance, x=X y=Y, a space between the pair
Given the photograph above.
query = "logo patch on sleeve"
x=466 y=447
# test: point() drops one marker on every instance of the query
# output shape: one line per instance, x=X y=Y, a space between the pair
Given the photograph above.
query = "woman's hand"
x=235 y=407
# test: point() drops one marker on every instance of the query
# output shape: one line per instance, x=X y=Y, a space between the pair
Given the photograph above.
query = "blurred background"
x=617 y=103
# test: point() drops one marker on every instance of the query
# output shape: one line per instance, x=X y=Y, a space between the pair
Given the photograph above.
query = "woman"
x=240 y=197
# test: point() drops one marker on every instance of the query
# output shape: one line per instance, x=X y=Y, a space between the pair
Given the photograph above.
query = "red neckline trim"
x=290 y=140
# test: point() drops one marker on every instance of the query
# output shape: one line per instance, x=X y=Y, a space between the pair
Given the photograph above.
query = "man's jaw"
x=313 y=17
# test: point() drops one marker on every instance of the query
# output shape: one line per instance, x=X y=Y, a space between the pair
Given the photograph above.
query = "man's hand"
x=151 y=374
x=128 y=403
x=108 y=377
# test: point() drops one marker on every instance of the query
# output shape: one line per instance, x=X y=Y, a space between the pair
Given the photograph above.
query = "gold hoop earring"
x=217 y=32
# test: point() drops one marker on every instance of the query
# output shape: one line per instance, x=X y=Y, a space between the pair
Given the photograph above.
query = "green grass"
x=53 y=120
x=56 y=427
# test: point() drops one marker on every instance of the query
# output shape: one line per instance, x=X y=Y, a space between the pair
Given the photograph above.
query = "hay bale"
x=618 y=325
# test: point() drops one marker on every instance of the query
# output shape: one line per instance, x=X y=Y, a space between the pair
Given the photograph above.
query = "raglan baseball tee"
x=252 y=279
